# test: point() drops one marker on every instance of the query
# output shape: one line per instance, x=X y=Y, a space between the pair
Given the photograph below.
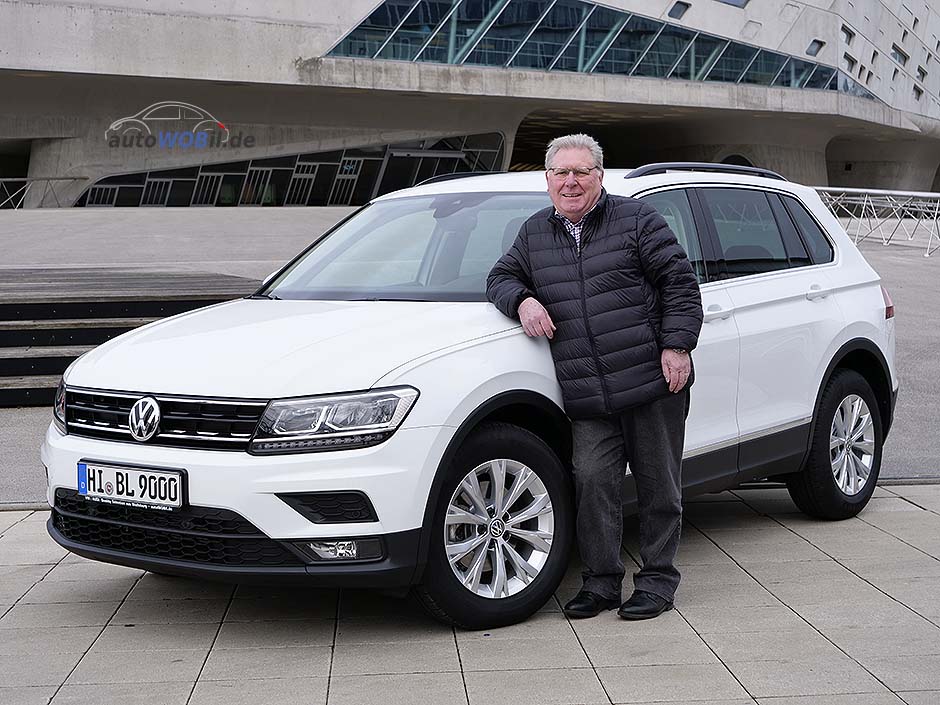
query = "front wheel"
x=501 y=532
x=845 y=451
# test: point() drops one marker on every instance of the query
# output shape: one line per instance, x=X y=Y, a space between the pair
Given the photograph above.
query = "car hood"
x=259 y=348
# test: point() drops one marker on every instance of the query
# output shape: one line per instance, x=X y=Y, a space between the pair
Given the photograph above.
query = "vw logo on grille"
x=144 y=418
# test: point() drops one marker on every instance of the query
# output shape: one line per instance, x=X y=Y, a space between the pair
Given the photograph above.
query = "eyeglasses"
x=579 y=173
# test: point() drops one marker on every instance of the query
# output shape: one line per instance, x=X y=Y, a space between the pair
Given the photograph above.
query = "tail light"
x=889 y=304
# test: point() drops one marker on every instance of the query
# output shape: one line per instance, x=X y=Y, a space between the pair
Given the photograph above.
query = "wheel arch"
x=864 y=357
x=524 y=408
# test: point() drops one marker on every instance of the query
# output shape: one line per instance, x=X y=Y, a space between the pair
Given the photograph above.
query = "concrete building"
x=316 y=102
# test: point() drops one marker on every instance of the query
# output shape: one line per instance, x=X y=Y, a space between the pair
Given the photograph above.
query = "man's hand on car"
x=535 y=319
x=677 y=366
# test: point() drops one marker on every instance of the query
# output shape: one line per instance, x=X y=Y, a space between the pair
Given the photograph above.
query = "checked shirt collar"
x=574 y=229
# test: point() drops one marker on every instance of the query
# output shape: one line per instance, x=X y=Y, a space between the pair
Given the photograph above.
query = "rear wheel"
x=501 y=532
x=845 y=452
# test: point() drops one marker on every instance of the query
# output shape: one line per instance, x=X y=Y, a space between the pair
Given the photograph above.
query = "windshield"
x=425 y=248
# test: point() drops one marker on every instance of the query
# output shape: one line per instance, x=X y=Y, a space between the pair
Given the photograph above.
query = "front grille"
x=186 y=422
x=332 y=507
x=218 y=537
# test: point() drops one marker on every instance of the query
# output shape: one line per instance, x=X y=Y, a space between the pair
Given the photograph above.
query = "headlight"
x=332 y=422
x=58 y=407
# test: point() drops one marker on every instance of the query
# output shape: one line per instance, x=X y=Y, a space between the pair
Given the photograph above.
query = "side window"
x=819 y=248
x=750 y=240
x=674 y=207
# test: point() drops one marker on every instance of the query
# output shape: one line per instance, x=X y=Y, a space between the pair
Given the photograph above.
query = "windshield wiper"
x=272 y=297
x=377 y=298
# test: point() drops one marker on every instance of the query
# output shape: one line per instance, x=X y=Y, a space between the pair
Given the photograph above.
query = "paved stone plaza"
x=775 y=608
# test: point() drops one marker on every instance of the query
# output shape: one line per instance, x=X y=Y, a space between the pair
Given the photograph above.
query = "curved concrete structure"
x=270 y=72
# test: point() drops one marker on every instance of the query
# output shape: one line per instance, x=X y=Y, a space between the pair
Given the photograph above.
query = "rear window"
x=751 y=242
x=816 y=242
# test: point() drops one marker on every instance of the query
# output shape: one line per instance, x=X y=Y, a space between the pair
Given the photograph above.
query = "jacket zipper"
x=587 y=323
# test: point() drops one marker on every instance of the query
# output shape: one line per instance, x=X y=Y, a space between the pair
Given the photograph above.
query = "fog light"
x=342 y=549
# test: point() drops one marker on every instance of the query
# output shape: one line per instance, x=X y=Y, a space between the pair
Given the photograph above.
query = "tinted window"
x=430 y=248
x=674 y=207
x=819 y=248
x=747 y=231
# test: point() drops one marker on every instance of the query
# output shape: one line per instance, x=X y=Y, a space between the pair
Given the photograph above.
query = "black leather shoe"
x=587 y=604
x=644 y=605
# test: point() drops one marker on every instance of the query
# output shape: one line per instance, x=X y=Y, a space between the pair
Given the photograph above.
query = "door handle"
x=817 y=292
x=716 y=313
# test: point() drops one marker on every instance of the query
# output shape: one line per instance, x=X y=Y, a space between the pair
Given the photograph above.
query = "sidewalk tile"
x=745 y=619
x=171 y=612
x=84 y=569
x=881 y=613
x=51 y=591
x=8 y=519
x=405 y=689
x=123 y=694
x=921 y=697
x=162 y=587
x=920 y=594
x=156 y=637
x=295 y=632
x=640 y=684
x=360 y=604
x=522 y=654
x=713 y=574
x=28 y=550
x=545 y=625
x=28 y=669
x=86 y=614
x=767 y=572
x=408 y=657
x=391 y=629
x=138 y=667
x=777 y=645
x=826 y=591
x=882 y=567
x=831 y=676
x=318 y=605
x=26 y=695
x=283 y=662
x=546 y=687
x=907 y=672
x=629 y=650
x=17 y=580
x=717 y=595
x=875 y=642
x=282 y=691
x=844 y=699
x=39 y=641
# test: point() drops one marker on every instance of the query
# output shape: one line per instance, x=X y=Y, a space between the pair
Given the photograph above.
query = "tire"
x=515 y=593
x=828 y=488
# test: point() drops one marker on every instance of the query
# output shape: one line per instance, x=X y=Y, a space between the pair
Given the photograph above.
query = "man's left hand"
x=676 y=369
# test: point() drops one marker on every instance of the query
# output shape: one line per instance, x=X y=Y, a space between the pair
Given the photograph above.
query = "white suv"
x=367 y=418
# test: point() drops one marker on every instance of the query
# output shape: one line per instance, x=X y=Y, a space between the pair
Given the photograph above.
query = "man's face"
x=574 y=195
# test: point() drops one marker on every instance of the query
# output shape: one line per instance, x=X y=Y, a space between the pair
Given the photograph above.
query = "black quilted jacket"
x=630 y=293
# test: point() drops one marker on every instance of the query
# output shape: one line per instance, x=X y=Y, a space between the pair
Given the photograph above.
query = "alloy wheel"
x=852 y=444
x=499 y=528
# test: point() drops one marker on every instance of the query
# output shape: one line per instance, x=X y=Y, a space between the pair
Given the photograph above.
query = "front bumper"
x=397 y=569
x=241 y=488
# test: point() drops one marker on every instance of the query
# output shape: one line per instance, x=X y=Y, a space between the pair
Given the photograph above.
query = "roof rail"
x=663 y=167
x=450 y=177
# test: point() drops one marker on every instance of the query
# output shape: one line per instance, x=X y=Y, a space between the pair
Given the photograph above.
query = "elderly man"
x=605 y=280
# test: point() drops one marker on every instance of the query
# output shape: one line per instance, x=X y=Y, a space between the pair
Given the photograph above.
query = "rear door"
x=786 y=317
x=712 y=427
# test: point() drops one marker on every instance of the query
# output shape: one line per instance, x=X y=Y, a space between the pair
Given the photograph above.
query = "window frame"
x=826 y=236
x=722 y=274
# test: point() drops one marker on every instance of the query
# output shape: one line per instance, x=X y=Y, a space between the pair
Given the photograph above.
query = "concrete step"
x=65 y=332
x=39 y=359
x=33 y=390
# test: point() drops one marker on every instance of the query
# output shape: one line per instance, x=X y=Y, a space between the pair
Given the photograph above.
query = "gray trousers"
x=650 y=438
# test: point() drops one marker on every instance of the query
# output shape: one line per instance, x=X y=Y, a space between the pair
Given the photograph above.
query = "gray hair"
x=578 y=141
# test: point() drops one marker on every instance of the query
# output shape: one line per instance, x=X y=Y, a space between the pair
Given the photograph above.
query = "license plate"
x=111 y=484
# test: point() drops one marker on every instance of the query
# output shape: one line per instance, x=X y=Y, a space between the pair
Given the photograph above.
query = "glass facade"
x=575 y=36
x=349 y=177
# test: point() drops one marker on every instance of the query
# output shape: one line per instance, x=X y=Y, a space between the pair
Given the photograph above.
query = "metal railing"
x=865 y=212
x=41 y=192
